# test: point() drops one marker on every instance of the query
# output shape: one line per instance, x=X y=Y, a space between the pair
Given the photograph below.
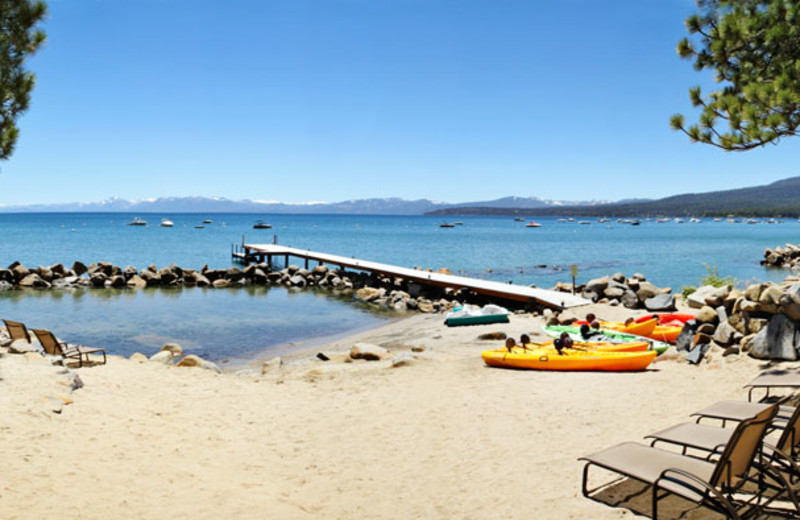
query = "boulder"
x=630 y=300
x=717 y=296
x=368 y=294
x=33 y=280
x=369 y=352
x=220 y=282
x=646 y=290
x=5 y=286
x=136 y=282
x=771 y=295
x=174 y=348
x=753 y=292
x=597 y=285
x=739 y=323
x=297 y=281
x=697 y=299
x=117 y=281
x=706 y=328
x=19 y=271
x=660 y=303
x=614 y=292
x=706 y=315
x=724 y=334
x=755 y=325
x=195 y=361
x=424 y=305
x=163 y=356
x=775 y=341
x=696 y=355
x=234 y=274
x=201 y=280
x=684 y=340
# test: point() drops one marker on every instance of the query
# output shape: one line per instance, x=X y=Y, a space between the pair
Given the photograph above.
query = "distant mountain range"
x=781 y=198
x=387 y=206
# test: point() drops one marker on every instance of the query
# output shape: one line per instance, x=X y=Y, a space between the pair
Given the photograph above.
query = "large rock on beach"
x=776 y=340
x=660 y=303
x=368 y=294
x=369 y=352
x=697 y=299
x=706 y=314
x=197 y=362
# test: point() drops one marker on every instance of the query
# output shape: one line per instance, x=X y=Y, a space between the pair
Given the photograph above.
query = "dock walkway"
x=553 y=299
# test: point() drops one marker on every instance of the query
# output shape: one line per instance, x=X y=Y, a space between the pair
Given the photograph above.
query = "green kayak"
x=476 y=320
x=555 y=331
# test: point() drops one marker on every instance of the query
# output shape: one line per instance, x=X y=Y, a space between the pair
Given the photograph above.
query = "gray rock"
x=706 y=315
x=724 y=334
x=5 y=286
x=639 y=276
x=753 y=292
x=722 y=313
x=697 y=299
x=33 y=280
x=614 y=292
x=684 y=340
x=618 y=277
x=297 y=281
x=776 y=341
x=696 y=355
x=597 y=285
x=660 y=303
x=706 y=328
x=646 y=290
x=79 y=268
x=630 y=300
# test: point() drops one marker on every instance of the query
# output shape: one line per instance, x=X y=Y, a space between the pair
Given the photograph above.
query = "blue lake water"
x=219 y=324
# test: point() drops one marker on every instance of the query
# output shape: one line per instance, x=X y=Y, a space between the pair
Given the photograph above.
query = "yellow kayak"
x=603 y=346
x=548 y=358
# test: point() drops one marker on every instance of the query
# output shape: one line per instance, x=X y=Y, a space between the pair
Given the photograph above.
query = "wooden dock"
x=266 y=252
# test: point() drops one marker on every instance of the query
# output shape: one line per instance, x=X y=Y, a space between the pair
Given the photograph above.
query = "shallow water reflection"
x=216 y=324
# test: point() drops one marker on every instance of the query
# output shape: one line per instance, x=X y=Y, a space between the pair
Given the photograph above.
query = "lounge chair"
x=17 y=331
x=58 y=348
x=711 y=484
x=778 y=378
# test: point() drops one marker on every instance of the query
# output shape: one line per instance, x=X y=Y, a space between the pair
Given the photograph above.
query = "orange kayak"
x=569 y=359
x=666 y=333
x=644 y=328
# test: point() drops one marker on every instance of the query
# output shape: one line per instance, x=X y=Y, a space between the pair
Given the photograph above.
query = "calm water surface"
x=219 y=324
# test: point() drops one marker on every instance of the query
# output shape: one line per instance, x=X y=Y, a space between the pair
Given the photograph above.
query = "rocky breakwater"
x=762 y=321
x=633 y=293
x=787 y=257
x=383 y=291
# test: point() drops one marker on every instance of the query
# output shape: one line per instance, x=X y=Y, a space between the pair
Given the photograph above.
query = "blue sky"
x=299 y=100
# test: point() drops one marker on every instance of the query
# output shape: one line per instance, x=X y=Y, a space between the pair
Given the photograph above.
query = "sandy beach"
x=440 y=435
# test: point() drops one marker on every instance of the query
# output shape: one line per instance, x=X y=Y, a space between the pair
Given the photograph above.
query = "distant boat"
x=584 y=222
x=533 y=224
x=570 y=219
x=458 y=223
x=519 y=219
x=753 y=221
x=199 y=227
x=262 y=225
x=165 y=222
x=602 y=220
x=560 y=220
x=136 y=222
x=446 y=225
x=635 y=223
x=695 y=220
x=717 y=219
x=207 y=221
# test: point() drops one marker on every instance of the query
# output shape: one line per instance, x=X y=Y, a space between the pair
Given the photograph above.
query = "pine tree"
x=19 y=39
x=754 y=48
